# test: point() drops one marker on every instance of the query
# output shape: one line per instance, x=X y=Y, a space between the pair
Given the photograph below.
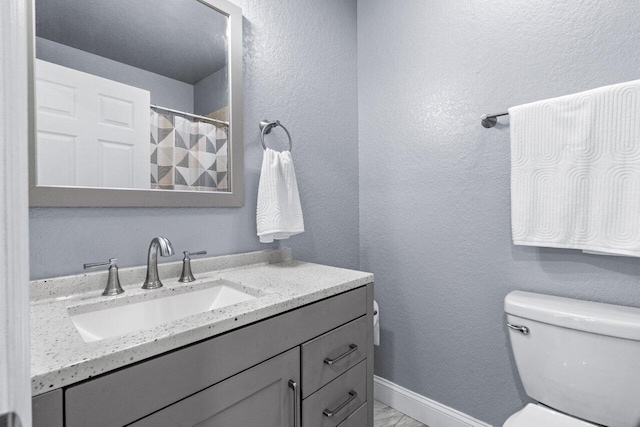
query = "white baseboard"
x=420 y=408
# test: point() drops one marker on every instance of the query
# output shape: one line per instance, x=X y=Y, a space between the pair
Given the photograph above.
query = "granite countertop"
x=60 y=357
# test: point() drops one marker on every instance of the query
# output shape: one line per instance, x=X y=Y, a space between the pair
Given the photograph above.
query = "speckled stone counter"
x=60 y=357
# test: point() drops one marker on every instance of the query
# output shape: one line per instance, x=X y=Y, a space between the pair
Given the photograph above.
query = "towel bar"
x=267 y=125
x=490 y=120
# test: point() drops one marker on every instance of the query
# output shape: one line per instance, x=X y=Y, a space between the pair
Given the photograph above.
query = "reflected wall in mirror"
x=136 y=95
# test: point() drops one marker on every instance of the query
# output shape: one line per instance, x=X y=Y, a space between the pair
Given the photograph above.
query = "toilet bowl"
x=536 y=416
x=580 y=360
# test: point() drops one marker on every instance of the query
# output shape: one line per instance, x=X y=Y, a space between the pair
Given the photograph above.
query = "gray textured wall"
x=300 y=64
x=434 y=184
x=211 y=93
x=165 y=91
x=181 y=39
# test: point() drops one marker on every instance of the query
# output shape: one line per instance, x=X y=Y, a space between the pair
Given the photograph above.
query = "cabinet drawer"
x=357 y=419
x=340 y=397
x=330 y=355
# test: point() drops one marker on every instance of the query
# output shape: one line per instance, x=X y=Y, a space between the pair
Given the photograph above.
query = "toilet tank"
x=579 y=357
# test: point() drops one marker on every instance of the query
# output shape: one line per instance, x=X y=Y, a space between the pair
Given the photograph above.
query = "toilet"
x=579 y=360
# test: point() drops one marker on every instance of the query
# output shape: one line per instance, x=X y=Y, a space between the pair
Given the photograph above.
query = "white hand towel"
x=279 y=214
x=575 y=171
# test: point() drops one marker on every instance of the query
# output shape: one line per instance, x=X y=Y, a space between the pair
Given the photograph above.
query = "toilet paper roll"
x=376 y=323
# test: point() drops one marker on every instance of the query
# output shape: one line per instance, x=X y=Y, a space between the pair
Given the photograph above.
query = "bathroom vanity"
x=297 y=352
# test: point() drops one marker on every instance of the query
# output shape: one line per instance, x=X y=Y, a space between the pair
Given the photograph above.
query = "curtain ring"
x=266 y=127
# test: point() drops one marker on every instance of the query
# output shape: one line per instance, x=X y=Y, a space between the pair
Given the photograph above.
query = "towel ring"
x=267 y=125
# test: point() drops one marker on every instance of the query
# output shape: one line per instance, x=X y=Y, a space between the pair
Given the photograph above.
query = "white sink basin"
x=96 y=322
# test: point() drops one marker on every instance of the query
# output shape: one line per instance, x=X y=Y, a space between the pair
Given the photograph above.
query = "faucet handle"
x=111 y=262
x=187 y=254
x=113 y=281
x=187 y=275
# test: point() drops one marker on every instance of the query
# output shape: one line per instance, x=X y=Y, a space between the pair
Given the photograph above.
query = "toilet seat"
x=540 y=416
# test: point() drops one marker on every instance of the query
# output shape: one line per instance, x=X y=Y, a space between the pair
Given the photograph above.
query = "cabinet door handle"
x=352 y=348
x=296 y=411
x=331 y=412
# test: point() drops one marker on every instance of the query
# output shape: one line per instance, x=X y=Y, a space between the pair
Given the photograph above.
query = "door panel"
x=260 y=396
x=91 y=131
x=15 y=384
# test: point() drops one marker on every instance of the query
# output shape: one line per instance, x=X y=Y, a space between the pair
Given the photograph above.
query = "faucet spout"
x=158 y=244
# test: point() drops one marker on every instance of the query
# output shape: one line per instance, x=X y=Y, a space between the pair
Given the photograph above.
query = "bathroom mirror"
x=136 y=103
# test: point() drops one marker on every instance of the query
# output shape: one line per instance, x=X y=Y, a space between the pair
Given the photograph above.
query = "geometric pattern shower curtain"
x=187 y=155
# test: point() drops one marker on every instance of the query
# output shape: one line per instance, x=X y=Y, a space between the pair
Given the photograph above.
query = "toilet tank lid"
x=598 y=318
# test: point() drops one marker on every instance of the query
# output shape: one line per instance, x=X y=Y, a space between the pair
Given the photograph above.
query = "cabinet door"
x=261 y=396
x=47 y=409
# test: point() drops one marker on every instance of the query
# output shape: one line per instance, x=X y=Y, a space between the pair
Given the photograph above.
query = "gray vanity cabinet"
x=309 y=367
x=47 y=409
x=266 y=395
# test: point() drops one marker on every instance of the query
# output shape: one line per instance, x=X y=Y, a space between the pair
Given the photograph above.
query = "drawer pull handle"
x=294 y=387
x=352 y=348
x=331 y=412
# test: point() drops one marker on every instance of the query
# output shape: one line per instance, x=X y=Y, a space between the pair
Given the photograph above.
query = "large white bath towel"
x=279 y=214
x=575 y=171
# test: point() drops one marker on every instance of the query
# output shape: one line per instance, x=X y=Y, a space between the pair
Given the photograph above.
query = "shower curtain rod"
x=490 y=120
x=195 y=116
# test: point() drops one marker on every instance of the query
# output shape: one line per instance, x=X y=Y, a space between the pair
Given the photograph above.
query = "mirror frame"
x=57 y=196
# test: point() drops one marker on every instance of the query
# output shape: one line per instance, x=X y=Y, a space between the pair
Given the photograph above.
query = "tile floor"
x=384 y=416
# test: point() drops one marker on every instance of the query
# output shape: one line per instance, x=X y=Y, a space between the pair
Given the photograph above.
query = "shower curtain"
x=187 y=155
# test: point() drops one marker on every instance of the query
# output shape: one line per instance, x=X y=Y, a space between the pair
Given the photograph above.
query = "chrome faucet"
x=164 y=245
